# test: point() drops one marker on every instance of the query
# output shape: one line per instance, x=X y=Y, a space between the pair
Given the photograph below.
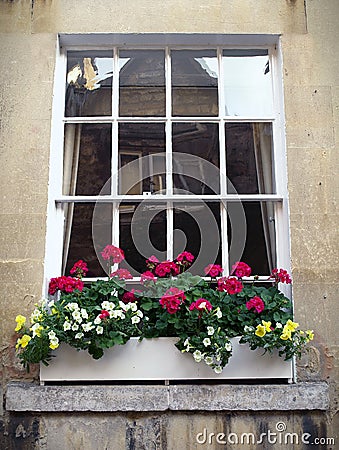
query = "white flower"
x=52 y=335
x=228 y=346
x=124 y=306
x=35 y=316
x=79 y=335
x=75 y=327
x=206 y=342
x=133 y=307
x=210 y=331
x=97 y=320
x=248 y=329
x=36 y=328
x=140 y=314
x=217 y=369
x=84 y=313
x=72 y=306
x=278 y=325
x=67 y=325
x=208 y=360
x=187 y=342
x=51 y=303
x=114 y=293
x=99 y=329
x=108 y=306
x=197 y=356
x=218 y=357
x=77 y=316
x=218 y=313
x=135 y=319
x=87 y=326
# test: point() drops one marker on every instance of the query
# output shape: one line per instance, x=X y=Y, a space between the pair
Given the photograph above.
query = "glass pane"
x=142 y=234
x=142 y=83
x=258 y=245
x=196 y=158
x=89 y=83
x=247 y=83
x=249 y=158
x=88 y=229
x=197 y=230
x=87 y=159
x=142 y=159
x=194 y=83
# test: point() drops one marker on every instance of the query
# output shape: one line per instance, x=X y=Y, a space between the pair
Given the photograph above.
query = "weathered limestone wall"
x=28 y=37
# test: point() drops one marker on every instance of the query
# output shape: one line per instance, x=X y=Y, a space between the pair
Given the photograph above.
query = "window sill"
x=109 y=398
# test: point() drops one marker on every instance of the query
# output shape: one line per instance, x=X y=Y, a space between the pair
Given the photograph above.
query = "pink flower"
x=123 y=274
x=147 y=276
x=281 y=276
x=65 y=284
x=104 y=314
x=185 y=257
x=80 y=269
x=172 y=300
x=152 y=262
x=230 y=284
x=213 y=270
x=201 y=305
x=241 y=269
x=256 y=303
x=114 y=253
x=129 y=297
x=166 y=268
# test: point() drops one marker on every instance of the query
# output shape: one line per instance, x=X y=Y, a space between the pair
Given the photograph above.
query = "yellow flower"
x=291 y=326
x=285 y=336
x=260 y=331
x=53 y=345
x=20 y=320
x=267 y=326
x=310 y=335
x=54 y=311
x=36 y=328
x=23 y=341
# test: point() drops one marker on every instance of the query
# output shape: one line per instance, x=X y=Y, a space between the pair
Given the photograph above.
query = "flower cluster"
x=204 y=313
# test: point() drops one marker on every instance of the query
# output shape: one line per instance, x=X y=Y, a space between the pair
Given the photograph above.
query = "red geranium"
x=256 y=303
x=201 y=305
x=185 y=257
x=213 y=270
x=64 y=284
x=80 y=269
x=281 y=276
x=230 y=284
x=104 y=314
x=123 y=274
x=241 y=269
x=129 y=297
x=166 y=268
x=172 y=300
x=147 y=276
x=152 y=262
x=110 y=252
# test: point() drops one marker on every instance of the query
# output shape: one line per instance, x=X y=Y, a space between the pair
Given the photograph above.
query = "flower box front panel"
x=159 y=359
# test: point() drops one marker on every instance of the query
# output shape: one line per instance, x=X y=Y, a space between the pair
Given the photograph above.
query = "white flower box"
x=159 y=359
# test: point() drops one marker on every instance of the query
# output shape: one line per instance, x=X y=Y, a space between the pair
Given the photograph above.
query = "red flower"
x=241 y=269
x=114 y=253
x=166 y=268
x=185 y=257
x=201 y=305
x=172 y=300
x=129 y=297
x=123 y=274
x=65 y=284
x=213 y=270
x=104 y=314
x=281 y=276
x=147 y=276
x=231 y=285
x=152 y=262
x=256 y=303
x=80 y=269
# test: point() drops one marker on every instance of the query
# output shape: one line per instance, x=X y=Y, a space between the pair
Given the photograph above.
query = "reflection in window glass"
x=142 y=229
x=142 y=83
x=260 y=246
x=87 y=158
x=79 y=230
x=196 y=158
x=89 y=83
x=249 y=158
x=142 y=161
x=194 y=83
x=247 y=83
x=197 y=230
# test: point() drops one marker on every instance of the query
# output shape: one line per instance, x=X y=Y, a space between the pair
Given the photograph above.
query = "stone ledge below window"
x=301 y=396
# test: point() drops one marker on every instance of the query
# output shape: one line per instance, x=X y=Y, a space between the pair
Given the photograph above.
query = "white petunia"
x=97 y=320
x=75 y=327
x=79 y=335
x=87 y=326
x=206 y=342
x=67 y=325
x=135 y=319
x=209 y=360
x=72 y=306
x=210 y=331
x=278 y=325
x=197 y=356
x=218 y=369
x=76 y=315
x=248 y=329
x=228 y=346
x=140 y=314
x=218 y=313
x=51 y=335
x=84 y=313
x=133 y=306
x=99 y=329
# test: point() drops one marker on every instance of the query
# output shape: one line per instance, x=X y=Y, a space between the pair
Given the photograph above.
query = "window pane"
x=142 y=234
x=259 y=247
x=89 y=83
x=197 y=230
x=142 y=83
x=87 y=158
x=194 y=83
x=86 y=234
x=249 y=158
x=142 y=160
x=196 y=158
x=247 y=83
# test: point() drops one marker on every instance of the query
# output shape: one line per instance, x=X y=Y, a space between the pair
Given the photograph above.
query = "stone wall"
x=28 y=39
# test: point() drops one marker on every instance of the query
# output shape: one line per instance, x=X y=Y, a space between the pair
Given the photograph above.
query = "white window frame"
x=56 y=200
